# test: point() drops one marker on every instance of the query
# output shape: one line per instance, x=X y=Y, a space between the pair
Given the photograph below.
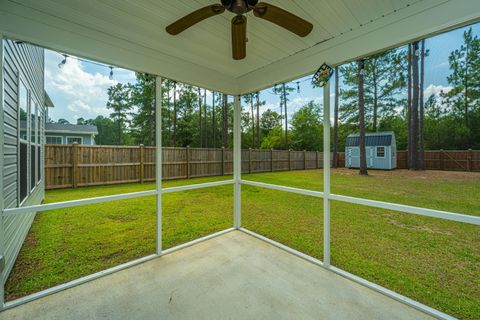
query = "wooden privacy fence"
x=68 y=166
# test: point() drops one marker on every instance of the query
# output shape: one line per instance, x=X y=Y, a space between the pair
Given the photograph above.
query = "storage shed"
x=381 y=150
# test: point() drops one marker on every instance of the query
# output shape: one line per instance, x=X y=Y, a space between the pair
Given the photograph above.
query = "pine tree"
x=214 y=142
x=119 y=102
x=409 y=105
x=249 y=99
x=335 y=120
x=174 y=139
x=142 y=96
x=414 y=108
x=421 y=125
x=465 y=81
x=361 y=116
x=284 y=91
x=384 y=79
x=258 y=103
x=225 y=121
x=200 y=120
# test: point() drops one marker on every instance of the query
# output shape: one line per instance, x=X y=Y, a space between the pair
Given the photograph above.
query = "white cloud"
x=436 y=90
x=77 y=92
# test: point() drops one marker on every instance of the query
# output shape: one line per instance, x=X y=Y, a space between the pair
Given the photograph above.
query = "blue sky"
x=79 y=89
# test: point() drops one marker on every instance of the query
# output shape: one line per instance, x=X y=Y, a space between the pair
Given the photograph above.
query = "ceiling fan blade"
x=239 y=37
x=195 y=17
x=283 y=18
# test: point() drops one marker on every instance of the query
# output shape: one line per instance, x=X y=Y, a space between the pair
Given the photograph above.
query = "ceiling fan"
x=261 y=10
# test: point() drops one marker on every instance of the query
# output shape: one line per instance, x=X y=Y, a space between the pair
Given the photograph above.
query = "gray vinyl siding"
x=25 y=61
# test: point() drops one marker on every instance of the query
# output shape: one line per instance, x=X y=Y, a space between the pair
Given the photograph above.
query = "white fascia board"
x=23 y=23
x=68 y=132
x=422 y=19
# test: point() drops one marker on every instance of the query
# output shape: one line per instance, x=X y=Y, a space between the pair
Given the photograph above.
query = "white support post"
x=237 y=163
x=158 y=161
x=2 y=234
x=326 y=174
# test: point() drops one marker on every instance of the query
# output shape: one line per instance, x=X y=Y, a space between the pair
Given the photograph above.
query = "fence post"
x=223 y=161
x=442 y=160
x=470 y=160
x=142 y=161
x=75 y=164
x=304 y=159
x=271 y=160
x=316 y=159
x=249 y=160
x=188 y=162
x=289 y=159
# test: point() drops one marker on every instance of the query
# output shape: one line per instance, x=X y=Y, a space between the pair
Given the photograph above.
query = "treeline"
x=384 y=92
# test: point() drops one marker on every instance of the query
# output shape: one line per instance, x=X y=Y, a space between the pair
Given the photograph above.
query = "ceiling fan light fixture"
x=262 y=10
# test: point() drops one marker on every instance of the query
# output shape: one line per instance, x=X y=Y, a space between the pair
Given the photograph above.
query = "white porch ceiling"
x=131 y=34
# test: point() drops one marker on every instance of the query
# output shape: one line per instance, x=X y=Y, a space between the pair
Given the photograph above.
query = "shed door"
x=370 y=157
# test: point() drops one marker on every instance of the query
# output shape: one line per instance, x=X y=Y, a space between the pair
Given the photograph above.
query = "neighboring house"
x=381 y=150
x=22 y=120
x=57 y=133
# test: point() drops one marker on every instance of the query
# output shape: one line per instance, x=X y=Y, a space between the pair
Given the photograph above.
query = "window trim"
x=75 y=137
x=22 y=82
x=50 y=136
x=384 y=152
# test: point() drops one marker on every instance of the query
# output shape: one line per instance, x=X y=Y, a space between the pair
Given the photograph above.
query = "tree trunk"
x=414 y=113
x=375 y=97
x=286 y=115
x=119 y=132
x=335 y=121
x=225 y=121
x=409 y=105
x=151 y=123
x=466 y=86
x=421 y=127
x=258 y=120
x=361 y=116
x=253 y=120
x=200 y=117
x=174 y=114
x=213 y=120
x=205 y=115
x=169 y=122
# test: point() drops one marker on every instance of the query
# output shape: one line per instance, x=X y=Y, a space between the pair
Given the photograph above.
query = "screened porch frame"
x=237 y=182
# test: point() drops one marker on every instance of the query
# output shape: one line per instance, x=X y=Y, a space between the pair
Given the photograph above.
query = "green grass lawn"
x=433 y=261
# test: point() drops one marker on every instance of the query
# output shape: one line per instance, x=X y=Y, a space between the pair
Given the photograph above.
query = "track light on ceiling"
x=64 y=61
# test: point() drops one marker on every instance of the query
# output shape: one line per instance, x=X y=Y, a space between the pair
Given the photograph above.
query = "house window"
x=71 y=140
x=34 y=138
x=54 y=140
x=37 y=142
x=23 y=154
x=380 y=152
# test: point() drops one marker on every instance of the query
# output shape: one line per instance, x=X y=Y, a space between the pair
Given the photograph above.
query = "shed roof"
x=73 y=128
x=371 y=139
x=131 y=34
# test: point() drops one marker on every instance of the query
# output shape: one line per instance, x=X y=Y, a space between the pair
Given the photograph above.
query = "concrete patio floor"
x=233 y=276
